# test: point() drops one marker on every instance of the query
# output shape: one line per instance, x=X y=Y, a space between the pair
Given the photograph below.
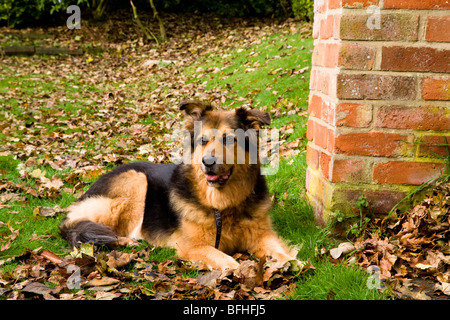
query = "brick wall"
x=379 y=103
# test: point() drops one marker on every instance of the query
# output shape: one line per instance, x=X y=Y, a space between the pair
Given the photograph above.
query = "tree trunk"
x=148 y=34
x=99 y=7
x=162 y=29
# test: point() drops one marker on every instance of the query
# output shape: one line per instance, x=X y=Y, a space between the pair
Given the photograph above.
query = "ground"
x=64 y=120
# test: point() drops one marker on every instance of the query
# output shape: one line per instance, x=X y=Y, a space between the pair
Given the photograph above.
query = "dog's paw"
x=125 y=241
x=282 y=257
x=229 y=265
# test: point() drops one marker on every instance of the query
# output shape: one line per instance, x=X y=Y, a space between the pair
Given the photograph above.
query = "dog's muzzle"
x=212 y=171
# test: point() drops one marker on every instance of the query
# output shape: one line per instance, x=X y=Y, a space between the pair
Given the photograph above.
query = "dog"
x=206 y=210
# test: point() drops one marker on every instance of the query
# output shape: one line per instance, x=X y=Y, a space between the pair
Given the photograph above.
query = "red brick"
x=417 y=4
x=336 y=27
x=436 y=88
x=331 y=55
x=328 y=111
x=310 y=130
x=358 y=3
x=418 y=118
x=353 y=115
x=322 y=108
x=315 y=106
x=395 y=26
x=434 y=146
x=400 y=58
x=326 y=27
x=438 y=29
x=323 y=136
x=316 y=27
x=375 y=87
x=313 y=79
x=380 y=201
x=356 y=56
x=331 y=141
x=320 y=6
x=315 y=185
x=334 y=4
x=348 y=170
x=377 y=144
x=308 y=178
x=318 y=212
x=324 y=82
x=325 y=55
x=404 y=172
x=325 y=161
x=318 y=54
x=312 y=157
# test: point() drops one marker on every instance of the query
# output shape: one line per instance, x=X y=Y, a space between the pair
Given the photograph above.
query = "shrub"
x=303 y=9
x=17 y=12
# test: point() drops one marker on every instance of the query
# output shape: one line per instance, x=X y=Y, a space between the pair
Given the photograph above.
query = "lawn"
x=65 y=120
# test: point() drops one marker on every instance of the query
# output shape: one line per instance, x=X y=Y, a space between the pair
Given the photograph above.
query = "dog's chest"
x=236 y=230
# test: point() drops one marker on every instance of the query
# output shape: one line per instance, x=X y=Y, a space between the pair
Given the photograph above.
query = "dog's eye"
x=203 y=141
x=228 y=140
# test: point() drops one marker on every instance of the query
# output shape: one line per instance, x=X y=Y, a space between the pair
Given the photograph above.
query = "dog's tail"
x=87 y=232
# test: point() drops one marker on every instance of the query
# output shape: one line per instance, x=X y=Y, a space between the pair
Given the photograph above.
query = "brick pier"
x=379 y=103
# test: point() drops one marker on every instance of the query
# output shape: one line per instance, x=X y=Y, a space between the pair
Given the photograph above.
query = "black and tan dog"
x=175 y=205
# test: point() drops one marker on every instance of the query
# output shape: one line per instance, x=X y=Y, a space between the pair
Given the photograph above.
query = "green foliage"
x=360 y=224
x=18 y=12
x=303 y=9
x=15 y=12
x=229 y=8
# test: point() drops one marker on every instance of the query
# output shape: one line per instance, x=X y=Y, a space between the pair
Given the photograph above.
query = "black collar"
x=218 y=219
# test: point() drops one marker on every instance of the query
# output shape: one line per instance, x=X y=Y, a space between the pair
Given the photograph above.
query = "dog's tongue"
x=215 y=177
x=212 y=177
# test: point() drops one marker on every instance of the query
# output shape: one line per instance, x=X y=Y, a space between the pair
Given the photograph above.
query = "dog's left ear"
x=194 y=108
x=252 y=118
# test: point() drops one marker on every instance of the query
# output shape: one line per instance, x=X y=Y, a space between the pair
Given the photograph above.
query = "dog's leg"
x=270 y=245
x=214 y=258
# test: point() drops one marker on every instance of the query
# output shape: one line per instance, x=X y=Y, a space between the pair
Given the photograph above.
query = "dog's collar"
x=218 y=219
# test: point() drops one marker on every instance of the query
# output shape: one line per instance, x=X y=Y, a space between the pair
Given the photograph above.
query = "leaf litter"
x=79 y=115
x=410 y=251
x=86 y=274
x=68 y=119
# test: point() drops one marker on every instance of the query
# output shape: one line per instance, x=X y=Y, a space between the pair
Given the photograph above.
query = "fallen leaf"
x=50 y=256
x=209 y=278
x=48 y=211
x=38 y=288
x=103 y=281
x=118 y=259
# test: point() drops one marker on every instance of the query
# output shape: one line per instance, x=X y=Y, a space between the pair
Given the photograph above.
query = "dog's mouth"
x=219 y=179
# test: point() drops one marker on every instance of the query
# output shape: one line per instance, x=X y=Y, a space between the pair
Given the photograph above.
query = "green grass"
x=263 y=74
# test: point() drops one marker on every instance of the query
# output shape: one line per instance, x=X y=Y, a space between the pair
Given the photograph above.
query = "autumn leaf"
x=411 y=248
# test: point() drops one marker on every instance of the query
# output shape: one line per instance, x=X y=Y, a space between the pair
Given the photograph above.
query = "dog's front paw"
x=282 y=257
x=228 y=264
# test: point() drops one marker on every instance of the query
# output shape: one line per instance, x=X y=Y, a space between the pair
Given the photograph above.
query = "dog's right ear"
x=194 y=108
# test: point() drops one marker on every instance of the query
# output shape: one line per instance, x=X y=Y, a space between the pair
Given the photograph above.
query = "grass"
x=263 y=73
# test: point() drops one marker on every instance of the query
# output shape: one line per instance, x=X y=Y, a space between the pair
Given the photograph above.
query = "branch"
x=147 y=32
x=162 y=29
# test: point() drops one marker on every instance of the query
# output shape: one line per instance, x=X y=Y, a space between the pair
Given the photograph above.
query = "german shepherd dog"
x=175 y=205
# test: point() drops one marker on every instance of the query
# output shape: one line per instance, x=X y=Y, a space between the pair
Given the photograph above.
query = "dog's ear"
x=252 y=118
x=194 y=108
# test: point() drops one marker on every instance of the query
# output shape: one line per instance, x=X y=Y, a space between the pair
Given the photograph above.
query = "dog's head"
x=224 y=143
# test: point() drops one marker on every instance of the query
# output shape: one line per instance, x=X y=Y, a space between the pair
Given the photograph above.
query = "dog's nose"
x=209 y=160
